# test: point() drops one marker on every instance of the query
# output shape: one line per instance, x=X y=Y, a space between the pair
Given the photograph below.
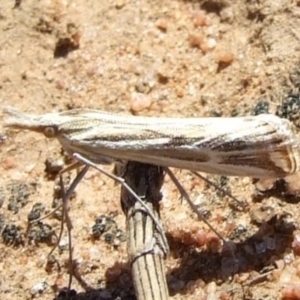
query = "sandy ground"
x=152 y=58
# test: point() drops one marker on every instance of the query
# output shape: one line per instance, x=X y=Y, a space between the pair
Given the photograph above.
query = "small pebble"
x=8 y=163
x=288 y=258
x=200 y=237
x=291 y=292
x=119 y=4
x=211 y=43
x=262 y=107
x=286 y=276
x=39 y=288
x=224 y=57
x=196 y=40
x=139 y=102
x=53 y=166
x=60 y=84
x=3 y=138
x=211 y=287
x=290 y=108
x=162 y=24
x=199 y=18
x=261 y=215
x=264 y=185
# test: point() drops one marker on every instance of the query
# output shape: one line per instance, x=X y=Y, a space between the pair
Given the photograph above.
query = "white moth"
x=263 y=146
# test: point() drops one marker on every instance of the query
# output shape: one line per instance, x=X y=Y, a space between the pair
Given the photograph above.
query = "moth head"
x=46 y=124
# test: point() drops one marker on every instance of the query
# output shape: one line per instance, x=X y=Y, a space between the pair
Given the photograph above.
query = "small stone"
x=53 y=167
x=291 y=292
x=39 y=288
x=162 y=24
x=139 y=102
x=8 y=163
x=211 y=43
x=196 y=40
x=290 y=107
x=262 y=107
x=119 y=4
x=3 y=138
x=262 y=215
x=211 y=288
x=204 y=47
x=60 y=84
x=288 y=258
x=224 y=57
x=200 y=237
x=264 y=184
x=162 y=77
x=199 y=18
x=180 y=92
x=279 y=264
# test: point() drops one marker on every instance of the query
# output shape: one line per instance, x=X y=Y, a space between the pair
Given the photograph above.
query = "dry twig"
x=145 y=247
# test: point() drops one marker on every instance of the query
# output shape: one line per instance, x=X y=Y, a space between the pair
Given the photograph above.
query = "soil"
x=151 y=58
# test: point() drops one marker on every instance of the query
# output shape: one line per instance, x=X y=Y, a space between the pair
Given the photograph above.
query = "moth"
x=263 y=146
